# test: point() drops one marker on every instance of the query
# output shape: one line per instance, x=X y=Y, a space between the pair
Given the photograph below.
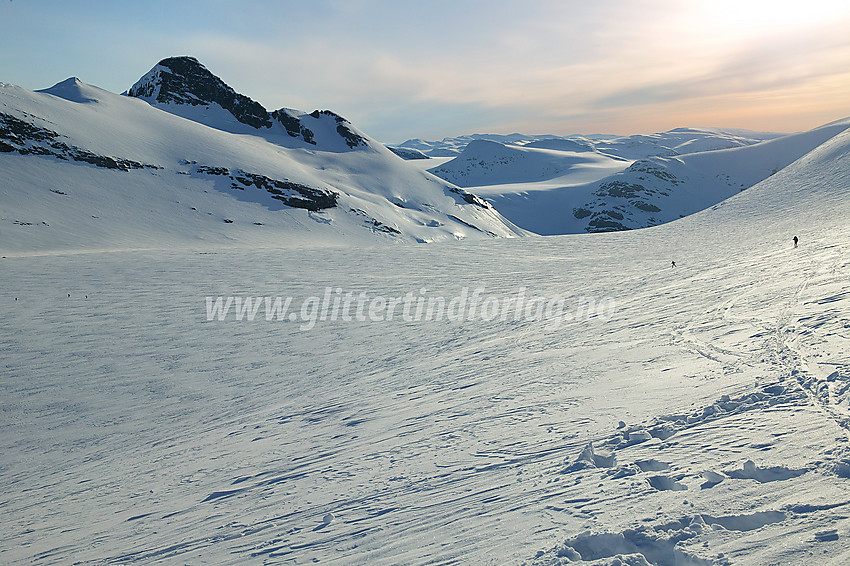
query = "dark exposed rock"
x=28 y=139
x=645 y=206
x=644 y=166
x=381 y=227
x=620 y=189
x=352 y=139
x=293 y=126
x=183 y=80
x=212 y=170
x=468 y=225
x=470 y=198
x=289 y=193
x=16 y=130
x=604 y=224
x=288 y=121
x=408 y=154
x=374 y=223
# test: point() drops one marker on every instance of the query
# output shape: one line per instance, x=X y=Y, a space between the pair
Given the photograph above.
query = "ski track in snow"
x=140 y=432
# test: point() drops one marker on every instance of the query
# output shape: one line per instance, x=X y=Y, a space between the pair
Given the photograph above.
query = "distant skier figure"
x=795 y=241
x=672 y=264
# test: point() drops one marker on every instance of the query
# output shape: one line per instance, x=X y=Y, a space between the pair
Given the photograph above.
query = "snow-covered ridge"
x=90 y=169
x=183 y=86
x=485 y=162
x=655 y=190
x=575 y=185
x=673 y=142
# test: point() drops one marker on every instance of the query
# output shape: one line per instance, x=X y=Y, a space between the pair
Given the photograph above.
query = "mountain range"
x=182 y=158
x=562 y=185
x=673 y=142
x=272 y=382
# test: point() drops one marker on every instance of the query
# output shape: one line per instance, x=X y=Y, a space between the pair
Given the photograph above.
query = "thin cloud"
x=404 y=69
x=763 y=68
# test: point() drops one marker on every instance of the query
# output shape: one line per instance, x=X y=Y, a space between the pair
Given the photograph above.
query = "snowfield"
x=700 y=418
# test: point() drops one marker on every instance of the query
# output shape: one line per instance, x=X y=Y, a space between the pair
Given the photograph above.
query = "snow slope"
x=704 y=422
x=88 y=169
x=485 y=162
x=646 y=192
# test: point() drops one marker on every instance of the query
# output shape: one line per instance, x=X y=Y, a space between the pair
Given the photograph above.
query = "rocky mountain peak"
x=184 y=80
x=176 y=83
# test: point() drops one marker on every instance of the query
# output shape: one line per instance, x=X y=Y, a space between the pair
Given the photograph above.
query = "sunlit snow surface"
x=137 y=431
x=624 y=183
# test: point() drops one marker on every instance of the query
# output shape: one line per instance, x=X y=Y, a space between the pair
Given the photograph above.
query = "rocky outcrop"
x=183 y=80
x=18 y=136
x=296 y=195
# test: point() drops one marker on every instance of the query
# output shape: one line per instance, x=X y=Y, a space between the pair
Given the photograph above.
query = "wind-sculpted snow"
x=703 y=420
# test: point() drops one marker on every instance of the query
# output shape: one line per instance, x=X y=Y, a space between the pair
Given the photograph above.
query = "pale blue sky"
x=401 y=69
